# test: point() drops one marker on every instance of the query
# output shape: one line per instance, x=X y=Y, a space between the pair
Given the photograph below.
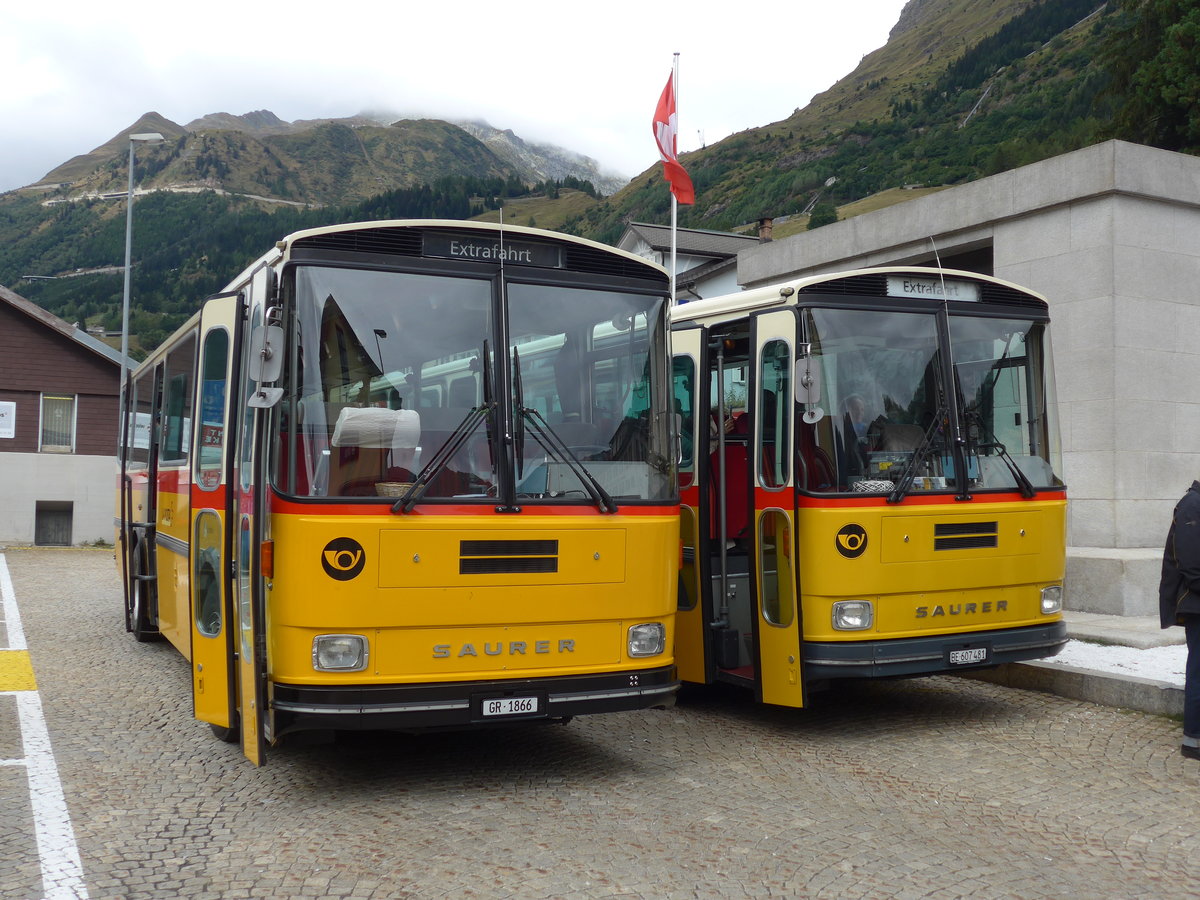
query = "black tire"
x=141 y=595
x=230 y=735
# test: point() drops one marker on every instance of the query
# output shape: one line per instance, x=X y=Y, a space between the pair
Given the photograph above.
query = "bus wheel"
x=230 y=735
x=144 y=628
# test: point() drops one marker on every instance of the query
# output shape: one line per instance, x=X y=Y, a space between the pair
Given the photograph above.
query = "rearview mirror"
x=266 y=353
x=808 y=377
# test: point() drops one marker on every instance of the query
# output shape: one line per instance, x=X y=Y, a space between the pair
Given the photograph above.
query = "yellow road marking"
x=16 y=671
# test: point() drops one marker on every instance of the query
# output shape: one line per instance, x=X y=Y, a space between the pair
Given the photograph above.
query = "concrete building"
x=59 y=396
x=705 y=261
x=1111 y=235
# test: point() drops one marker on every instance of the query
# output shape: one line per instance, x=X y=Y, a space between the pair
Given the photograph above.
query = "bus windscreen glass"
x=390 y=366
x=885 y=415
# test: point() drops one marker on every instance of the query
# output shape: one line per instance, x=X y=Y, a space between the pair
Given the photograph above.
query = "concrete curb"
x=1123 y=691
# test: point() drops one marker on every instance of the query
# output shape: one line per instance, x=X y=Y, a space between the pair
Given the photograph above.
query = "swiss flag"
x=665 y=126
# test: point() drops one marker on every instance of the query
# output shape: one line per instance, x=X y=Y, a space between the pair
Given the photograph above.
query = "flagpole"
x=674 y=199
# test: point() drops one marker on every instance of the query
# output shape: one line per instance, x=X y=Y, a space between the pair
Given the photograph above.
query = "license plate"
x=968 y=656
x=510 y=706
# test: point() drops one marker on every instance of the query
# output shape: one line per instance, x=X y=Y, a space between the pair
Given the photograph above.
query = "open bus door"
x=772 y=556
x=139 y=504
x=691 y=619
x=214 y=518
x=125 y=498
x=262 y=363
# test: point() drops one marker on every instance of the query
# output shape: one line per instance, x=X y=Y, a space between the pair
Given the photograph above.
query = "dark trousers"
x=1191 y=689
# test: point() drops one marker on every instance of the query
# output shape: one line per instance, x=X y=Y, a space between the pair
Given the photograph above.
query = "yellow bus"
x=870 y=480
x=409 y=475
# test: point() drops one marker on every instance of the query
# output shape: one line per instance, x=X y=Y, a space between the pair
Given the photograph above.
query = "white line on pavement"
x=58 y=854
x=12 y=615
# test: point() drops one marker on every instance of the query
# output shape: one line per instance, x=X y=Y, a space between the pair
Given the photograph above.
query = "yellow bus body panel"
x=210 y=688
x=425 y=620
x=174 y=570
x=923 y=585
x=431 y=558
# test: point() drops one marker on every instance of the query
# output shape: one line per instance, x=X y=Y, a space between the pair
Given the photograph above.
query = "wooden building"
x=59 y=400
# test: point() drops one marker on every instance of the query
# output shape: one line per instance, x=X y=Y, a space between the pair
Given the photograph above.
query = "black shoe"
x=1189 y=751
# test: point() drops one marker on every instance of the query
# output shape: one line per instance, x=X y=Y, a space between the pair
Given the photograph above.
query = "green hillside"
x=963 y=89
x=966 y=90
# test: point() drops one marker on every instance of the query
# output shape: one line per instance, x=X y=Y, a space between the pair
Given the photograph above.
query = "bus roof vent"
x=385 y=241
x=600 y=262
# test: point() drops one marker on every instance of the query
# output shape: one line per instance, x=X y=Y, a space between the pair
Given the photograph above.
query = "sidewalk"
x=1093 y=685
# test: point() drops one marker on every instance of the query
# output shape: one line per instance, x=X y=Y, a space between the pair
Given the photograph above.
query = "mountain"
x=543 y=162
x=315 y=162
x=962 y=89
x=111 y=152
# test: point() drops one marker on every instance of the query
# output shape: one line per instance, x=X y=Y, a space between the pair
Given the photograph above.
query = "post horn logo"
x=343 y=558
x=851 y=541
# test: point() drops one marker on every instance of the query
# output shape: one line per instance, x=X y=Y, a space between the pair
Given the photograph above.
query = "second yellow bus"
x=871 y=480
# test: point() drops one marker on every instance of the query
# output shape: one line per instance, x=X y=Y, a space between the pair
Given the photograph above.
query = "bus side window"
x=213 y=387
x=684 y=375
x=177 y=403
x=775 y=383
x=141 y=420
x=206 y=579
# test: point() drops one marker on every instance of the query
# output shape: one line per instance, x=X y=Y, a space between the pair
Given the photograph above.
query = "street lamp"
x=149 y=137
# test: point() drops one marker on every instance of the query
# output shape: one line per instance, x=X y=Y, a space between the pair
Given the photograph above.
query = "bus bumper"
x=402 y=707
x=931 y=655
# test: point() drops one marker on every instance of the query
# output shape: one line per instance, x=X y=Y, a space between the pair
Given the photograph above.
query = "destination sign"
x=932 y=288
x=480 y=248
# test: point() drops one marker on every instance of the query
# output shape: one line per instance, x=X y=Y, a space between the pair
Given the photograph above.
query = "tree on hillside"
x=824 y=213
x=1150 y=52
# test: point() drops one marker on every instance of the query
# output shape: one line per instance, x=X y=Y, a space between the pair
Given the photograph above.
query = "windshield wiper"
x=519 y=421
x=1023 y=483
x=919 y=455
x=457 y=438
x=552 y=443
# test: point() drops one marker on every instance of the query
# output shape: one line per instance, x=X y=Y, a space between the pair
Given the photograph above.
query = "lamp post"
x=150 y=137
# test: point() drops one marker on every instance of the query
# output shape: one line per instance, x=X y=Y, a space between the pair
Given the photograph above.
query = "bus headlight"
x=853 y=615
x=1052 y=599
x=339 y=653
x=647 y=639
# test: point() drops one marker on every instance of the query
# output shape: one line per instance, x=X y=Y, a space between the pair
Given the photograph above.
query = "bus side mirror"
x=808 y=384
x=266 y=353
x=808 y=377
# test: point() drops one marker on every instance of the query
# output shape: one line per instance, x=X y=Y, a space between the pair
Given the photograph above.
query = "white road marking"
x=58 y=854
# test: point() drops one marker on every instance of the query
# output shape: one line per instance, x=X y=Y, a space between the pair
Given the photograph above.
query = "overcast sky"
x=584 y=77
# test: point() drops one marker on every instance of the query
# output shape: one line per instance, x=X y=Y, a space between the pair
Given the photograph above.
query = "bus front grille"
x=499 y=557
x=965 y=535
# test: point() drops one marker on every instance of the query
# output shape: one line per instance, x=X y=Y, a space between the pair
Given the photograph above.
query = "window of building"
x=58 y=424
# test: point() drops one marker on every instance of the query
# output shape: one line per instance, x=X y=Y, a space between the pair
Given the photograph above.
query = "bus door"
x=125 y=497
x=214 y=652
x=691 y=621
x=726 y=502
x=139 y=504
x=772 y=556
x=261 y=363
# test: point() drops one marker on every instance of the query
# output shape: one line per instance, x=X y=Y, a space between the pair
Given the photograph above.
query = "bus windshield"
x=884 y=422
x=403 y=378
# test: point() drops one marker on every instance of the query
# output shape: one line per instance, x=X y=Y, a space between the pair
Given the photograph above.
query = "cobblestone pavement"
x=934 y=788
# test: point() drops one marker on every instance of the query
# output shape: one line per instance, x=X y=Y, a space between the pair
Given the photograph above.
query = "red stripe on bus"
x=941 y=499
x=292 y=507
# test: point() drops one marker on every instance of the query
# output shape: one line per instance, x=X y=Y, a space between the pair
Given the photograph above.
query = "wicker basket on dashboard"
x=392 y=488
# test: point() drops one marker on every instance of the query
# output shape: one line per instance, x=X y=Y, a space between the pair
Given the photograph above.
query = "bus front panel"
x=452 y=607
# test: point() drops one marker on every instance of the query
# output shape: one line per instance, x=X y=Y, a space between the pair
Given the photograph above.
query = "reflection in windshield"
x=888 y=427
x=390 y=365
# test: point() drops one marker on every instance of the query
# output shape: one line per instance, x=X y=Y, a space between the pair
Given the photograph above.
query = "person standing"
x=1179 y=604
